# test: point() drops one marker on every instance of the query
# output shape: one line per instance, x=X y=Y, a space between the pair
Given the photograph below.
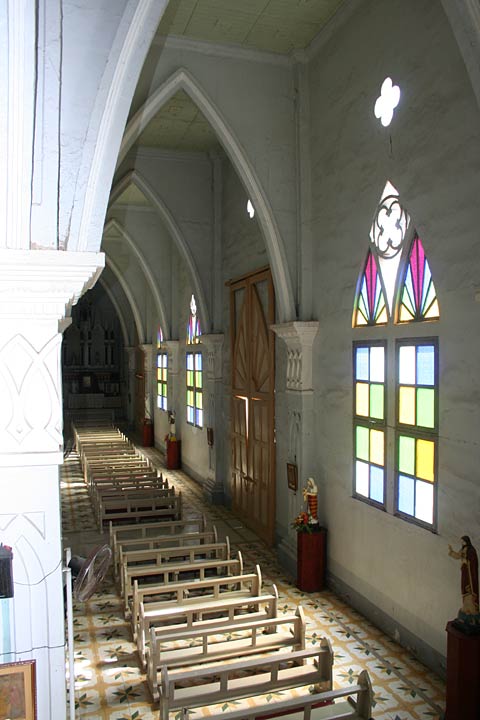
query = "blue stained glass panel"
x=406 y=494
x=362 y=363
x=425 y=365
x=199 y=414
x=376 y=484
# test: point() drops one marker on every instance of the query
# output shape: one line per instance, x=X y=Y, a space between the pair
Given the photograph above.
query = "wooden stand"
x=311 y=560
x=147 y=434
x=463 y=675
x=173 y=454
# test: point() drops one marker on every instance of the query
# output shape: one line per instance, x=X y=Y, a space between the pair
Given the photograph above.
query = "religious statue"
x=310 y=495
x=171 y=419
x=469 y=614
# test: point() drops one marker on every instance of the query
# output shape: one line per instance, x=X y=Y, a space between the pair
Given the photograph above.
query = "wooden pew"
x=177 y=554
x=195 y=611
x=159 y=541
x=153 y=529
x=103 y=500
x=241 y=586
x=225 y=682
x=311 y=706
x=140 y=509
x=173 y=572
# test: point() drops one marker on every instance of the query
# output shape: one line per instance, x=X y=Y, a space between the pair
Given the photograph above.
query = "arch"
x=133 y=177
x=464 y=19
x=118 y=310
x=182 y=80
x=133 y=304
x=159 y=305
x=135 y=33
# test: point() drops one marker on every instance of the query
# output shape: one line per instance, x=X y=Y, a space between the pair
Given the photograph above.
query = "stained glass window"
x=193 y=328
x=418 y=299
x=194 y=389
x=396 y=282
x=159 y=337
x=369 y=426
x=370 y=307
x=162 y=377
x=417 y=391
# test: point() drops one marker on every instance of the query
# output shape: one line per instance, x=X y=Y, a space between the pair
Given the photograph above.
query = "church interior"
x=239 y=242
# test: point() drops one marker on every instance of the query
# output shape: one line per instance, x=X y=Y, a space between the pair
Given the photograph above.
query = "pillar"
x=37 y=290
x=214 y=419
x=295 y=421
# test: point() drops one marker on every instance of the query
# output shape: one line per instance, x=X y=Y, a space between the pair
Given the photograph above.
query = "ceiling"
x=275 y=25
x=279 y=26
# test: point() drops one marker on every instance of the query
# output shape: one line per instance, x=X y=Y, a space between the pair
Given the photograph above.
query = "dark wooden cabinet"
x=463 y=675
x=311 y=560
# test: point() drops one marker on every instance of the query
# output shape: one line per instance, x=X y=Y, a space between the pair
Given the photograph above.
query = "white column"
x=130 y=355
x=213 y=415
x=295 y=427
x=37 y=291
x=148 y=370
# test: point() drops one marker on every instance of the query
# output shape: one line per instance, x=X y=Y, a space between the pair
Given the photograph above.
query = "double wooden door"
x=253 y=382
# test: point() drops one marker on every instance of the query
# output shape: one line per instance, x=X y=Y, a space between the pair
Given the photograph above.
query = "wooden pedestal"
x=311 y=560
x=173 y=454
x=463 y=675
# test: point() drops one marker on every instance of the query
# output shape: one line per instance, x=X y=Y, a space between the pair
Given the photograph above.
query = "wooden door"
x=253 y=381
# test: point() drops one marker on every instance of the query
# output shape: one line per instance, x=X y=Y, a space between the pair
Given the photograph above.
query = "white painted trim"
x=159 y=305
x=134 y=36
x=135 y=178
x=152 y=153
x=133 y=304
x=234 y=51
x=182 y=80
x=118 y=309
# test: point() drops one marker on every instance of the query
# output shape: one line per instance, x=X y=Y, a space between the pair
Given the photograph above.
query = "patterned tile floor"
x=109 y=684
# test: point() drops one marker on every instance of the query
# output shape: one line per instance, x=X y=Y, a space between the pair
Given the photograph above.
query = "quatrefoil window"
x=387 y=102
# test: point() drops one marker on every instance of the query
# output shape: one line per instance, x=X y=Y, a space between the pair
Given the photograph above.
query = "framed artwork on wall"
x=18 y=690
x=292 y=476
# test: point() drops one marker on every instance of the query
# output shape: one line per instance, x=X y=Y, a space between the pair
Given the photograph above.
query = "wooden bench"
x=172 y=572
x=195 y=611
x=131 y=508
x=241 y=586
x=221 y=683
x=209 y=643
x=153 y=529
x=157 y=557
x=311 y=707
x=159 y=541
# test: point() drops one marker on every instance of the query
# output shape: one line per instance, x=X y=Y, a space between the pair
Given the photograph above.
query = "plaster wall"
x=431 y=154
x=254 y=96
x=183 y=183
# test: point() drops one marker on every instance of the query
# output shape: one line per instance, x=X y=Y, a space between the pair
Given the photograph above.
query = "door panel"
x=253 y=458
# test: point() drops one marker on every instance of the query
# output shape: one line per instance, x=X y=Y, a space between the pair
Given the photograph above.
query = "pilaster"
x=295 y=428
x=213 y=486
x=148 y=369
x=173 y=349
x=37 y=291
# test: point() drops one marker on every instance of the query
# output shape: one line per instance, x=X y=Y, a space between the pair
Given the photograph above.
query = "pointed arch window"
x=194 y=370
x=162 y=372
x=398 y=395
x=193 y=328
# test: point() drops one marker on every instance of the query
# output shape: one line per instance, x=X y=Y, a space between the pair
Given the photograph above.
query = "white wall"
x=431 y=154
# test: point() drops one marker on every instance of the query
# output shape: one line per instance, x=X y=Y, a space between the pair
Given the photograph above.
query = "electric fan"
x=83 y=577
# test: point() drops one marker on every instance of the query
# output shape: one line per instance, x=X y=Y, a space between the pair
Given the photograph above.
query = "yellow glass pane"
x=382 y=318
x=406 y=411
x=434 y=311
x=405 y=315
x=360 y=320
x=362 y=393
x=425 y=460
x=376 y=447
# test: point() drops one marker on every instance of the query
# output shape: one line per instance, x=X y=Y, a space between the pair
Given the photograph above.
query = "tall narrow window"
x=162 y=380
x=194 y=389
x=417 y=428
x=396 y=287
x=369 y=423
x=193 y=327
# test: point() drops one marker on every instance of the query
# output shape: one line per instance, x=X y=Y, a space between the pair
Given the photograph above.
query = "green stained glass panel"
x=190 y=398
x=426 y=407
x=190 y=378
x=406 y=454
x=198 y=379
x=199 y=400
x=362 y=449
x=376 y=401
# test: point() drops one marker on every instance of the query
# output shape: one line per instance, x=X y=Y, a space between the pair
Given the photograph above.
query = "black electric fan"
x=88 y=573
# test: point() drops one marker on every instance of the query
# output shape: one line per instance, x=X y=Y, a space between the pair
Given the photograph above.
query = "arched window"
x=396 y=377
x=194 y=370
x=162 y=372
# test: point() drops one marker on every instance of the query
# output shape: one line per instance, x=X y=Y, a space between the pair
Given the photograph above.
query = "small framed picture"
x=18 y=691
x=292 y=476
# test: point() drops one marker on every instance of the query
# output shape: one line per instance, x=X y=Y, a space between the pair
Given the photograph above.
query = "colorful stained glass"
x=425 y=459
x=370 y=308
x=425 y=365
x=376 y=401
x=418 y=298
x=416 y=462
x=362 y=397
x=162 y=377
x=370 y=456
x=370 y=375
x=193 y=328
x=362 y=443
x=426 y=407
x=406 y=454
x=159 y=337
x=194 y=378
x=377 y=446
x=406 y=412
